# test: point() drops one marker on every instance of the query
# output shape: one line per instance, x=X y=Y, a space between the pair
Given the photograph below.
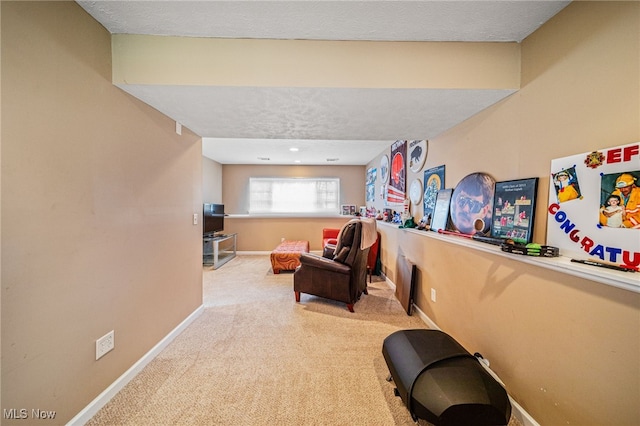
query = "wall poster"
x=371 y=185
x=396 y=188
x=514 y=210
x=594 y=205
x=433 y=182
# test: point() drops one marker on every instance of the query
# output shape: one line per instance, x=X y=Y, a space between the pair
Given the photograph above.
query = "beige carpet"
x=256 y=357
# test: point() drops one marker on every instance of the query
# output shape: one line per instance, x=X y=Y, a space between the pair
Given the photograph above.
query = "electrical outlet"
x=433 y=294
x=105 y=344
x=195 y=218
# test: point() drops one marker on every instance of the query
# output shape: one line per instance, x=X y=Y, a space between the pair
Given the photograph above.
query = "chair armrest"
x=329 y=251
x=315 y=261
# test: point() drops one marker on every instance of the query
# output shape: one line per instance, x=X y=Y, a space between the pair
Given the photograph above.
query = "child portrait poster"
x=602 y=179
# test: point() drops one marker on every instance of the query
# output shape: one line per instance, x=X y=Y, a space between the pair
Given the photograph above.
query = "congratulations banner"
x=594 y=205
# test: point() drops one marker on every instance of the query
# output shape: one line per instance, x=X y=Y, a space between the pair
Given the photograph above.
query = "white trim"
x=267 y=253
x=388 y=281
x=516 y=409
x=288 y=216
x=424 y=317
x=624 y=280
x=101 y=400
x=520 y=414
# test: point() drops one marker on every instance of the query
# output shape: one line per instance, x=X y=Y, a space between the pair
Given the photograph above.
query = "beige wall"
x=0 y=200
x=263 y=234
x=567 y=348
x=235 y=182
x=211 y=181
x=98 y=194
x=314 y=63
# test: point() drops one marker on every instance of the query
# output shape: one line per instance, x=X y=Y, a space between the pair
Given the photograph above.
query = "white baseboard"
x=516 y=409
x=519 y=413
x=101 y=400
x=240 y=253
x=425 y=318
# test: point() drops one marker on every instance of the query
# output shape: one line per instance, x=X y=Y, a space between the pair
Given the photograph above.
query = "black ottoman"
x=442 y=383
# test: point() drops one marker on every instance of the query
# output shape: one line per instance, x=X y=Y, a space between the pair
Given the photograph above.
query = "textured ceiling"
x=353 y=125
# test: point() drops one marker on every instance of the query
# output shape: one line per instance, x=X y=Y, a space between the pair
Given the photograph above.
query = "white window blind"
x=294 y=195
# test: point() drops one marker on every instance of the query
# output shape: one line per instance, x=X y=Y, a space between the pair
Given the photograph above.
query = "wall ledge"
x=629 y=281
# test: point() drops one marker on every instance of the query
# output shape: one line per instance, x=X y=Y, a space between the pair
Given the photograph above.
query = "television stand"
x=218 y=249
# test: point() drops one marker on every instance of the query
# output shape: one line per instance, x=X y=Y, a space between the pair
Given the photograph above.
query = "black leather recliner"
x=343 y=277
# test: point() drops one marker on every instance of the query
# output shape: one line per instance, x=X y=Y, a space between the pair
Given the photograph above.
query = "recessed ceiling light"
x=296 y=161
x=333 y=159
x=293 y=149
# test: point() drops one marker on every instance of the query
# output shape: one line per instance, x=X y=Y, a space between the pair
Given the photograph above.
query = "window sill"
x=287 y=215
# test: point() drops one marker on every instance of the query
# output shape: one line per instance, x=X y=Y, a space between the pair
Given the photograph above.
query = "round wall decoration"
x=472 y=204
x=415 y=192
x=384 y=169
x=417 y=154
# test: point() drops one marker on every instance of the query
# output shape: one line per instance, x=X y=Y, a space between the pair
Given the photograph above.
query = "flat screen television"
x=212 y=219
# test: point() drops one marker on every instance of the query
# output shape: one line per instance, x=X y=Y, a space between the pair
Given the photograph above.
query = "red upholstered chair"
x=372 y=259
x=329 y=238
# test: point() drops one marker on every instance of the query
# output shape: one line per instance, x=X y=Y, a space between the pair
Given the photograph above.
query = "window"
x=294 y=195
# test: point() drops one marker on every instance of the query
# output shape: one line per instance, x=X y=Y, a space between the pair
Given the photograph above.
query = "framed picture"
x=348 y=209
x=441 y=211
x=388 y=215
x=513 y=209
x=433 y=182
